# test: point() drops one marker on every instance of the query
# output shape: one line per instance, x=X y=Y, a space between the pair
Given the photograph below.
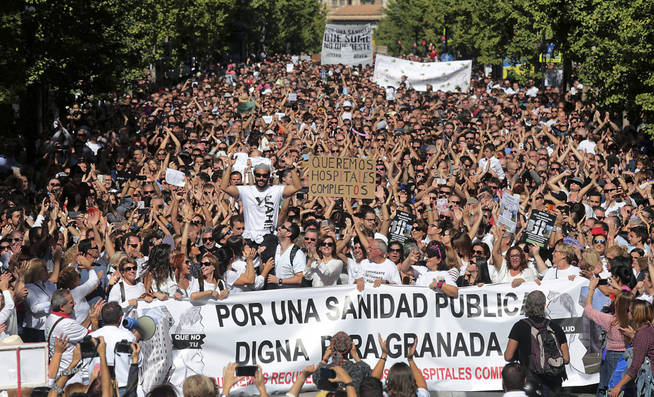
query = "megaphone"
x=145 y=325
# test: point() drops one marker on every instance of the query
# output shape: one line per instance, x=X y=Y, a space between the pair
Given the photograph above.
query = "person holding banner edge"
x=402 y=379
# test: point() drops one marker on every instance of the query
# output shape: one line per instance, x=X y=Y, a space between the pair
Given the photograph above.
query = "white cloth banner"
x=460 y=340
x=347 y=44
x=443 y=76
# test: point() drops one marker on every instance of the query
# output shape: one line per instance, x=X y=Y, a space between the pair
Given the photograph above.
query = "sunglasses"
x=15 y=240
x=327 y=244
x=129 y=269
x=599 y=241
x=307 y=238
x=476 y=252
x=206 y=263
x=133 y=245
x=395 y=250
x=258 y=175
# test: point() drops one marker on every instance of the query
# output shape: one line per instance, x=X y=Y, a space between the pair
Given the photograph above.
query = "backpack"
x=546 y=357
x=645 y=379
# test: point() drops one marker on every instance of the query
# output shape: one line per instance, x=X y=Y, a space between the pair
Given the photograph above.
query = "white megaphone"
x=145 y=325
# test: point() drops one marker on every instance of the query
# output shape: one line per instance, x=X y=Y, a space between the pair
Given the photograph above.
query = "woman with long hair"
x=463 y=246
x=402 y=380
x=182 y=275
x=611 y=323
x=323 y=268
x=210 y=284
x=159 y=278
x=513 y=267
x=641 y=314
x=438 y=276
x=474 y=275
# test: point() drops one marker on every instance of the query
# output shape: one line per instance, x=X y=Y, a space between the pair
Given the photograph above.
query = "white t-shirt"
x=79 y=293
x=387 y=271
x=324 y=273
x=504 y=275
x=553 y=273
x=587 y=146
x=283 y=266
x=429 y=276
x=131 y=292
x=38 y=303
x=495 y=165
x=260 y=210
x=69 y=327
x=194 y=286
x=120 y=361
x=354 y=270
x=231 y=275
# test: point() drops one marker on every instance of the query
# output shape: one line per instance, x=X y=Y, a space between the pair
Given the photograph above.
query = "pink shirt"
x=614 y=339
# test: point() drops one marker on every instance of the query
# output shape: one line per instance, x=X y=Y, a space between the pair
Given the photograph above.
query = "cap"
x=598 y=231
x=347 y=104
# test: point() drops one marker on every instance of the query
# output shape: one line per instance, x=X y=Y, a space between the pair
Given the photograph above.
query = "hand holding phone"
x=246 y=370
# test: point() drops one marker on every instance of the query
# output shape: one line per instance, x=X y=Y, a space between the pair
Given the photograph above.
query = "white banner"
x=347 y=44
x=443 y=76
x=460 y=340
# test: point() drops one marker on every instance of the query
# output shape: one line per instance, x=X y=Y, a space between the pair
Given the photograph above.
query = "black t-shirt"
x=521 y=332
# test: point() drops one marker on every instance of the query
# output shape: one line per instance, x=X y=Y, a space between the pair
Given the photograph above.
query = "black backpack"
x=546 y=357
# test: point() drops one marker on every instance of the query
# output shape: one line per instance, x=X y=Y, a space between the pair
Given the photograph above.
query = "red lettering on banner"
x=488 y=372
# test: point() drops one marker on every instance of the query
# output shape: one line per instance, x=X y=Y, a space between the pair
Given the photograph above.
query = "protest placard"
x=175 y=178
x=401 y=226
x=539 y=227
x=341 y=177
x=509 y=211
x=347 y=44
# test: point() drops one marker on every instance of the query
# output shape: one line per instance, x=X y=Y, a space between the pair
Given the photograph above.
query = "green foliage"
x=608 y=44
x=98 y=46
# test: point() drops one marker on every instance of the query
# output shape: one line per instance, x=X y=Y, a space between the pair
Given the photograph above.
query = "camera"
x=88 y=347
x=124 y=346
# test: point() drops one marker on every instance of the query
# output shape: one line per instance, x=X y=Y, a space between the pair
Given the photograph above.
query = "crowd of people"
x=199 y=191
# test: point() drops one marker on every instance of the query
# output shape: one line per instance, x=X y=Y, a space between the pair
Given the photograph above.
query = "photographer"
x=74 y=367
x=119 y=343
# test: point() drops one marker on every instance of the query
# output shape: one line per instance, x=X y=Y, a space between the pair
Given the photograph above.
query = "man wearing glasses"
x=261 y=203
x=128 y=290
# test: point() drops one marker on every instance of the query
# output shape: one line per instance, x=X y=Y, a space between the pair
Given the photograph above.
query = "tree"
x=410 y=21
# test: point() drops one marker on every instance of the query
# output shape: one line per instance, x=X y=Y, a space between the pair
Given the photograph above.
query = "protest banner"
x=460 y=340
x=347 y=44
x=401 y=226
x=443 y=76
x=341 y=177
x=509 y=211
x=539 y=227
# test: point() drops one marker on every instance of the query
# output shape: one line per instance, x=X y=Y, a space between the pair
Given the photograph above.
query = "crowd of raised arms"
x=200 y=191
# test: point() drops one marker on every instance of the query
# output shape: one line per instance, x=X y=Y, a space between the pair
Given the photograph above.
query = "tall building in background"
x=355 y=11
